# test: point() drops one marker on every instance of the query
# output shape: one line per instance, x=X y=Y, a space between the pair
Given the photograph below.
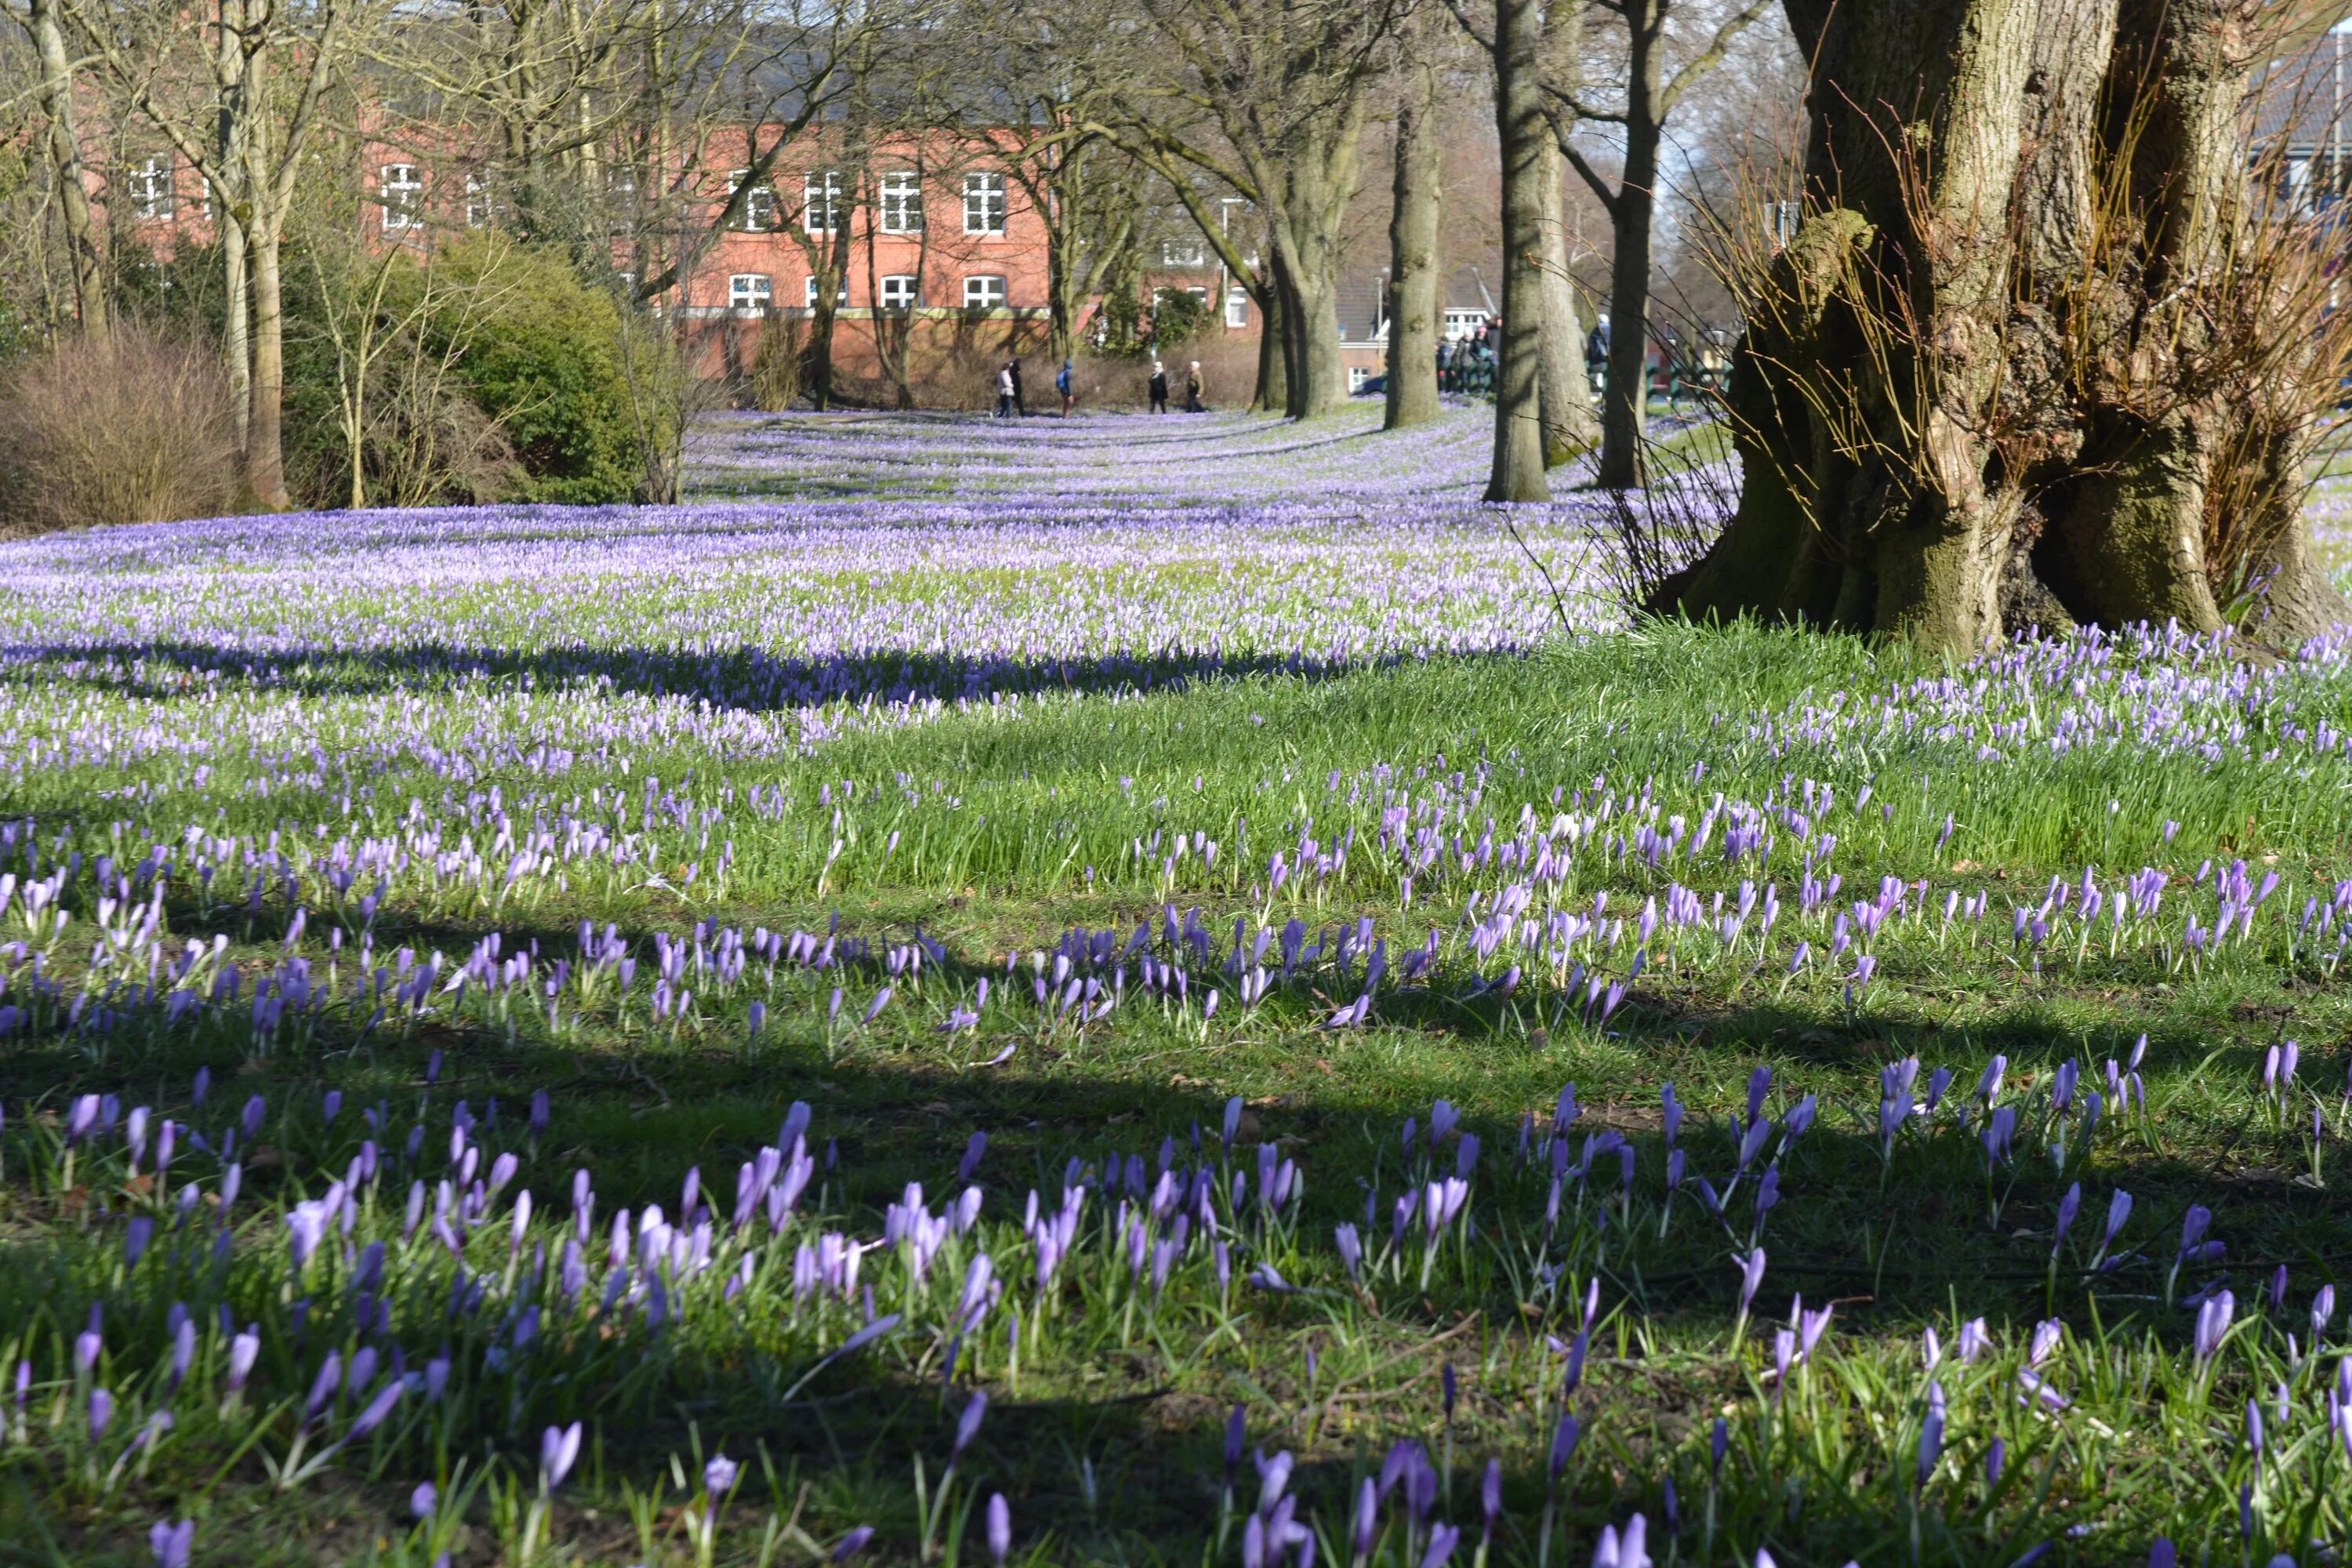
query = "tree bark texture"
x=1272 y=395
x=1519 y=465
x=1626 y=388
x=1413 y=302
x=56 y=95
x=264 y=455
x=2019 y=364
x=1315 y=190
x=1570 y=426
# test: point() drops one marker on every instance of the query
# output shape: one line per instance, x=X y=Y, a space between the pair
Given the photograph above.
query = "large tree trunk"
x=1413 y=302
x=265 y=460
x=1312 y=188
x=56 y=95
x=1518 y=467
x=2011 y=370
x=1571 y=427
x=1625 y=393
x=1273 y=393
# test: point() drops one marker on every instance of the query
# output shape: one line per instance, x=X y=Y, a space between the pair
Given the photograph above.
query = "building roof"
x=1363 y=314
x=2307 y=97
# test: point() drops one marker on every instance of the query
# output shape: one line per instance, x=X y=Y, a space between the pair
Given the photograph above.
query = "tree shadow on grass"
x=744 y=677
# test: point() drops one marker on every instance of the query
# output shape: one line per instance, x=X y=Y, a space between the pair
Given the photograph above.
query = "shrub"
x=133 y=427
x=542 y=360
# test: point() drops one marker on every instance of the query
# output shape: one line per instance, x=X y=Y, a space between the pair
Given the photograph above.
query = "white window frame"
x=1237 y=303
x=821 y=200
x=840 y=292
x=900 y=291
x=984 y=200
x=150 y=188
x=1184 y=252
x=759 y=214
x=481 y=203
x=1199 y=293
x=1357 y=376
x=984 y=291
x=750 y=293
x=400 y=190
x=1460 y=325
x=900 y=194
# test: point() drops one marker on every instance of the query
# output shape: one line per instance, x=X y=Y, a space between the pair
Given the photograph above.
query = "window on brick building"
x=983 y=203
x=150 y=188
x=821 y=195
x=402 y=195
x=840 y=292
x=1238 y=307
x=481 y=205
x=984 y=293
x=901 y=195
x=901 y=291
x=758 y=213
x=751 y=291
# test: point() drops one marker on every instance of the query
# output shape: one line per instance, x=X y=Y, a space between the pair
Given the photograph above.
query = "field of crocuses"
x=1122 y=992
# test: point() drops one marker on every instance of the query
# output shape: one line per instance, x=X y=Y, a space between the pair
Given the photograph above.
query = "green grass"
x=1106 y=1423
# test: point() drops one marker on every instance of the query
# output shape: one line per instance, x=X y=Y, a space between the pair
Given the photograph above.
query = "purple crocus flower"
x=243 y=1352
x=2212 y=1325
x=559 y=1448
x=102 y=1413
x=1563 y=1443
x=173 y=1544
x=1000 y=1529
x=1351 y=1249
x=853 y=1543
x=424 y=1499
x=372 y=1417
x=1751 y=1276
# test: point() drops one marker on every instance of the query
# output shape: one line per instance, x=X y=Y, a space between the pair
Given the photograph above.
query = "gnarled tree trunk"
x=2022 y=361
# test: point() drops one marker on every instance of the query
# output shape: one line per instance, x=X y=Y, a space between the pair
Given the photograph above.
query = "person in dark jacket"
x=1158 y=387
x=1193 y=387
x=1596 y=353
x=1019 y=404
x=1066 y=382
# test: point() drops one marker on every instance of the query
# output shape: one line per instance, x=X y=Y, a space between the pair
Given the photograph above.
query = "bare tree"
x=1269 y=98
x=1653 y=86
x=242 y=111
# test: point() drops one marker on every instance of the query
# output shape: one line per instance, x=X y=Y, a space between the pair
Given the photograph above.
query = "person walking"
x=1158 y=387
x=1192 y=390
x=1067 y=385
x=1596 y=353
x=1020 y=403
x=1004 y=393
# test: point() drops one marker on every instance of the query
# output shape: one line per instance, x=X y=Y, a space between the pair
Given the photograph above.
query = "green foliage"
x=1177 y=318
x=543 y=364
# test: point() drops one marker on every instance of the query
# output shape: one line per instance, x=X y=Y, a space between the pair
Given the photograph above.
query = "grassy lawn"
x=1165 y=1014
